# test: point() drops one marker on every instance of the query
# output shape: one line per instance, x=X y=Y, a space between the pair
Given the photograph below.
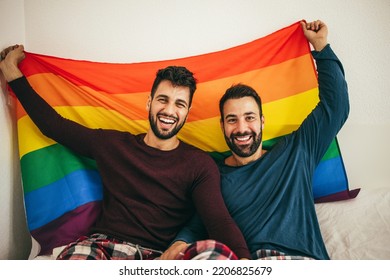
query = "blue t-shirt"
x=271 y=199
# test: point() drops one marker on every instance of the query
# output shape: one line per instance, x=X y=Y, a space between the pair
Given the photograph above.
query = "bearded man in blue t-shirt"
x=269 y=193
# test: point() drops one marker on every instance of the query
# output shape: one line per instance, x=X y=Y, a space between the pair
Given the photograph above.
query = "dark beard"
x=159 y=134
x=247 y=150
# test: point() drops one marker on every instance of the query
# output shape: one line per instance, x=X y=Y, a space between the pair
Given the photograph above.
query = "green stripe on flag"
x=52 y=163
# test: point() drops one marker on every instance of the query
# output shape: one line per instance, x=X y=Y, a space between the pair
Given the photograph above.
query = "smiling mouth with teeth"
x=243 y=139
x=166 y=122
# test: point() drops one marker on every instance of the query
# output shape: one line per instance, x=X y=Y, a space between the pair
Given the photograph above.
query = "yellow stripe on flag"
x=205 y=134
x=31 y=139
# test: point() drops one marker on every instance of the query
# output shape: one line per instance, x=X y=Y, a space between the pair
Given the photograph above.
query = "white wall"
x=131 y=31
x=13 y=230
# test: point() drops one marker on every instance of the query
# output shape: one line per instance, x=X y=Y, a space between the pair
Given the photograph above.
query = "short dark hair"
x=239 y=91
x=178 y=76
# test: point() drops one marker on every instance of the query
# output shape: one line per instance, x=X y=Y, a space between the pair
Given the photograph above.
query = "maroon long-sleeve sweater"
x=149 y=194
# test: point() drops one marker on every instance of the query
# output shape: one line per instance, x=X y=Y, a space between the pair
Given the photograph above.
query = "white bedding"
x=357 y=229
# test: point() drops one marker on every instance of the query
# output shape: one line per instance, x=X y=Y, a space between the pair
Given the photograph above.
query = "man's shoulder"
x=191 y=148
x=196 y=154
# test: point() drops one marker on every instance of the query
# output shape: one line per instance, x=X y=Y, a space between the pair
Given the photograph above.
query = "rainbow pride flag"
x=63 y=191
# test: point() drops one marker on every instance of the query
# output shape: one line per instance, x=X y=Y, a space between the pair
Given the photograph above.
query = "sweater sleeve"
x=213 y=212
x=66 y=132
x=322 y=125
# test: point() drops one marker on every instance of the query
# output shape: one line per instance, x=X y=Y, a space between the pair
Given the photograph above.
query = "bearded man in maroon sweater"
x=153 y=182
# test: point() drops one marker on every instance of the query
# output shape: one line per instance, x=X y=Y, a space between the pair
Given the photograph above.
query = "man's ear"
x=262 y=122
x=148 y=103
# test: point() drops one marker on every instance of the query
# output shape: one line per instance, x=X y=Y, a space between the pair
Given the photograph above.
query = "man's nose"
x=170 y=108
x=242 y=126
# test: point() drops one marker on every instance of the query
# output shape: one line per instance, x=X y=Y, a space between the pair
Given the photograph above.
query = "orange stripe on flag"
x=271 y=82
x=59 y=92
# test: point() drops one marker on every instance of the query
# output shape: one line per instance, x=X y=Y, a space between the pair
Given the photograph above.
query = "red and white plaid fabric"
x=208 y=250
x=265 y=254
x=101 y=247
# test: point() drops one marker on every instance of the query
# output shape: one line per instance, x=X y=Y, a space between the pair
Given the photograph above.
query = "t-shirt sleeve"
x=322 y=125
x=193 y=231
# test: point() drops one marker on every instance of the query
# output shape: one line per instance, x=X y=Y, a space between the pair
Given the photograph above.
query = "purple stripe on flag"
x=64 y=229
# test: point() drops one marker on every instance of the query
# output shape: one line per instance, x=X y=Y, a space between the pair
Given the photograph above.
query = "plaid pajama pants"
x=101 y=247
x=265 y=254
x=208 y=250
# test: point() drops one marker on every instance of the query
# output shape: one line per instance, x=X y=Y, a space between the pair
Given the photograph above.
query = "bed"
x=355 y=229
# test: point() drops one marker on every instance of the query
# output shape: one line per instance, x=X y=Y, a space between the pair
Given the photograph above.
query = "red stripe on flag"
x=138 y=77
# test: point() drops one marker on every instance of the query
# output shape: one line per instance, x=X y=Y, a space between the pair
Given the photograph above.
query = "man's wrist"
x=319 y=46
x=11 y=72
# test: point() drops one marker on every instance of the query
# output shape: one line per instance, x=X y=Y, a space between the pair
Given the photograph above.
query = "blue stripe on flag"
x=52 y=201
x=329 y=177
